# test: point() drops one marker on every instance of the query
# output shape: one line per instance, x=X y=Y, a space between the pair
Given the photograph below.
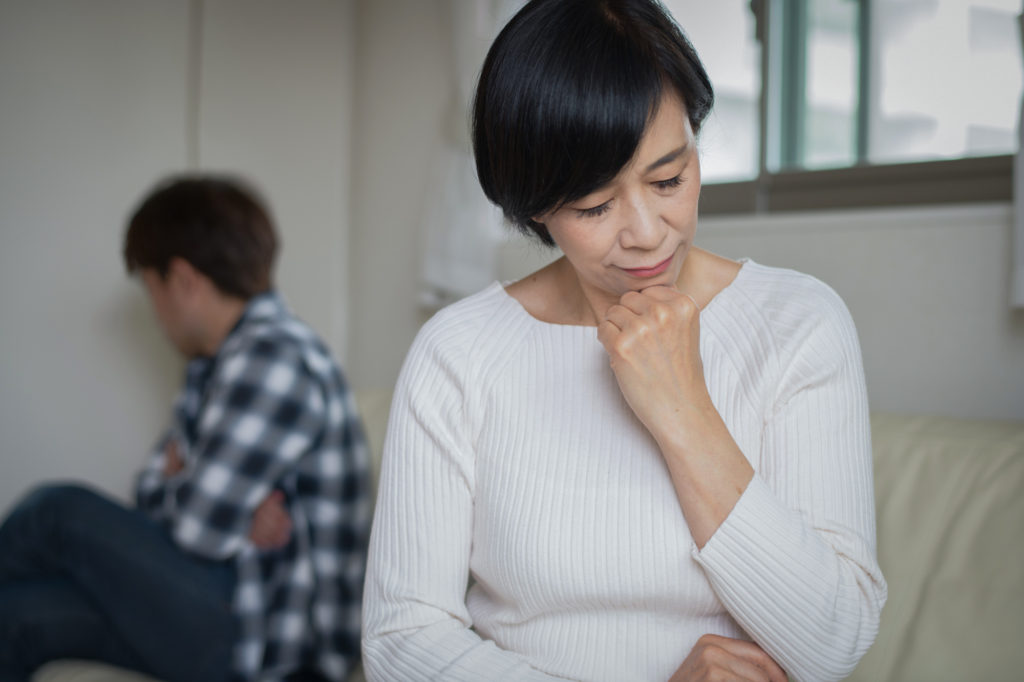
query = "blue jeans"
x=83 y=577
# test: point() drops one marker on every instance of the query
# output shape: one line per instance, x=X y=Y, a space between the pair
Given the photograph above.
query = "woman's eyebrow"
x=668 y=158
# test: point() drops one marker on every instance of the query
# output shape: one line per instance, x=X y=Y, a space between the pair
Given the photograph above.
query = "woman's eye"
x=595 y=211
x=670 y=183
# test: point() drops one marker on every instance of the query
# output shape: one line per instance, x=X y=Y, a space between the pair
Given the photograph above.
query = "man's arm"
x=150 y=482
x=263 y=411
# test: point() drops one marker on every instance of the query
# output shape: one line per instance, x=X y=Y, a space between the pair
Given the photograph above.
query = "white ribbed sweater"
x=512 y=457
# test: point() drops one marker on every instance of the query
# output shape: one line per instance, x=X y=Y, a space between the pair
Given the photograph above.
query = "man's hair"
x=565 y=95
x=216 y=224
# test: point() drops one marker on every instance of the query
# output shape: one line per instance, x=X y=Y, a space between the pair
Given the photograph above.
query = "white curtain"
x=461 y=228
x=1017 y=294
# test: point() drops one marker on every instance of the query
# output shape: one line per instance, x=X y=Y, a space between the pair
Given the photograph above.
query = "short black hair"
x=565 y=94
x=215 y=223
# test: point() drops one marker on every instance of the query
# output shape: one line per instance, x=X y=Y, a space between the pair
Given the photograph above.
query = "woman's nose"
x=643 y=228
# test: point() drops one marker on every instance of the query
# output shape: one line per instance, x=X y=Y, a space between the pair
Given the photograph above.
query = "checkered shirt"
x=269 y=411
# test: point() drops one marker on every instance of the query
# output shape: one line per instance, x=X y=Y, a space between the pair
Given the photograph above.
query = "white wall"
x=97 y=101
x=403 y=91
x=276 y=100
x=928 y=289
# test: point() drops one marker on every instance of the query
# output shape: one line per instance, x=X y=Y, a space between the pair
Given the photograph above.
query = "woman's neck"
x=555 y=293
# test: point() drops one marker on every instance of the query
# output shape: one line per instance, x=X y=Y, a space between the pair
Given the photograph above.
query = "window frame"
x=863 y=185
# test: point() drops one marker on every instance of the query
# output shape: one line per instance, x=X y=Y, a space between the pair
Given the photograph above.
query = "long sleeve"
x=416 y=624
x=150 y=481
x=794 y=563
x=262 y=410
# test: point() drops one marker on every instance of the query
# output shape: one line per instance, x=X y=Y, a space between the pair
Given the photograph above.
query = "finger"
x=280 y=521
x=621 y=316
x=725 y=663
x=696 y=306
x=268 y=522
x=607 y=333
x=277 y=535
x=774 y=670
x=636 y=301
x=266 y=536
x=741 y=669
x=284 y=534
x=257 y=536
x=669 y=295
x=660 y=290
x=752 y=654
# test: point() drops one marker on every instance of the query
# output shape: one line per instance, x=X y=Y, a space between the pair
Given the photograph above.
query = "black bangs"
x=565 y=95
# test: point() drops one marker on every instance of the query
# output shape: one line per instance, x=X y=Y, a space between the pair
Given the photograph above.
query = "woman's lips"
x=651 y=271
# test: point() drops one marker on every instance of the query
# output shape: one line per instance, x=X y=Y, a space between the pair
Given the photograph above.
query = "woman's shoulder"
x=471 y=323
x=788 y=305
x=781 y=285
x=787 y=292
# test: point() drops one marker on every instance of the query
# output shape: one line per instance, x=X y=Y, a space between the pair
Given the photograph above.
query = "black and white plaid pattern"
x=272 y=411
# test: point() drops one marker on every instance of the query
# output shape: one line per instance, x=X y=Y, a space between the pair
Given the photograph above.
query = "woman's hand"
x=722 y=658
x=271 y=524
x=653 y=340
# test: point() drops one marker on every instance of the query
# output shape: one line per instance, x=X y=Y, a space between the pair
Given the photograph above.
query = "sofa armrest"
x=950 y=502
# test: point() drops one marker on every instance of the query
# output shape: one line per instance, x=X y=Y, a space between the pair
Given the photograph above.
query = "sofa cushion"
x=86 y=671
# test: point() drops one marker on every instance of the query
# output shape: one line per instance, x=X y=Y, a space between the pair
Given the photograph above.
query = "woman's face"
x=635 y=232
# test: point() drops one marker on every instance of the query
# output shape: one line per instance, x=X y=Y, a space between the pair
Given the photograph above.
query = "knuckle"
x=623 y=346
x=661 y=313
x=714 y=654
x=683 y=307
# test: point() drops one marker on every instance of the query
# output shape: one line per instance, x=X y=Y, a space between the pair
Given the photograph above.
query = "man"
x=245 y=556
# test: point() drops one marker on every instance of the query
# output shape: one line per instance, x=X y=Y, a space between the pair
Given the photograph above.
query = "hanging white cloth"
x=461 y=229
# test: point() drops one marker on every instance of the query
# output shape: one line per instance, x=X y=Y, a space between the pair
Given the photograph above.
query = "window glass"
x=946 y=79
x=829 y=116
x=857 y=81
x=723 y=34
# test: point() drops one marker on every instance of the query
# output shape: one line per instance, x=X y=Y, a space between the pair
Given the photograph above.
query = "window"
x=868 y=102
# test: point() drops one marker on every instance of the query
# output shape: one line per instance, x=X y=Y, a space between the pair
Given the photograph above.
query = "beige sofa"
x=950 y=499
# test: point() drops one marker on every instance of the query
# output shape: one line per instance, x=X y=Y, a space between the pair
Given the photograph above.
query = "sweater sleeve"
x=794 y=562
x=415 y=620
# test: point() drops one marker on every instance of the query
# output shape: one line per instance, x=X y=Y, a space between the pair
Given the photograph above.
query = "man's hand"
x=173 y=463
x=722 y=658
x=271 y=524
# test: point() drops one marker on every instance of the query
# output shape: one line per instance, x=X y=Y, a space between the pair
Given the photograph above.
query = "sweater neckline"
x=745 y=266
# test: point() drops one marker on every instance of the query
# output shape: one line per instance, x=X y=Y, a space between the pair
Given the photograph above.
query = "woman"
x=653 y=462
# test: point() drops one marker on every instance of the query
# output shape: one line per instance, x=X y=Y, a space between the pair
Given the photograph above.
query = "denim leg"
x=46 y=619
x=172 y=609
